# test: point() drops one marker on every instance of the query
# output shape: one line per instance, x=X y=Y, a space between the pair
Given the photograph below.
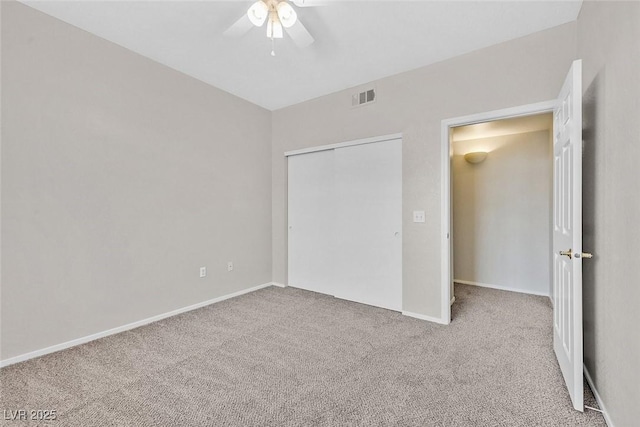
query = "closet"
x=345 y=221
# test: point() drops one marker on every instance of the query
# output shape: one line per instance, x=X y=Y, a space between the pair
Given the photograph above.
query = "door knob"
x=567 y=253
x=586 y=255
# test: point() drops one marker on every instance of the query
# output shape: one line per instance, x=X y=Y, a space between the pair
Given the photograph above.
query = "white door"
x=368 y=226
x=345 y=222
x=567 y=233
x=311 y=221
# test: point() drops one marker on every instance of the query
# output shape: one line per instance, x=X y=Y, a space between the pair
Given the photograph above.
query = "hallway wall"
x=502 y=212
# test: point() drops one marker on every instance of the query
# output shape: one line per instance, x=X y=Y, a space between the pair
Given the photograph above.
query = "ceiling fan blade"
x=310 y=3
x=300 y=35
x=240 y=27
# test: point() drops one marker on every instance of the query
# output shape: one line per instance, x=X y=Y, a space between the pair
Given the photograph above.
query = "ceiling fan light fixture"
x=274 y=28
x=258 y=13
x=287 y=14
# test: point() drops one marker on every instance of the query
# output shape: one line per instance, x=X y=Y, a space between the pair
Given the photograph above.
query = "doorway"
x=567 y=221
x=501 y=198
x=447 y=131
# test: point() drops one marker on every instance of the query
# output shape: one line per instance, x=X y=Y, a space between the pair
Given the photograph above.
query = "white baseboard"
x=92 y=337
x=424 y=317
x=605 y=414
x=280 y=285
x=453 y=299
x=502 y=288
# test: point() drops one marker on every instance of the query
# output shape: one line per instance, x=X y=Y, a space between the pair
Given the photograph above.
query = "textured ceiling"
x=356 y=42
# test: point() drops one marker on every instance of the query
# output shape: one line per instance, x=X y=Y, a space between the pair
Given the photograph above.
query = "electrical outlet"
x=418 y=216
x=203 y=272
x=229 y=265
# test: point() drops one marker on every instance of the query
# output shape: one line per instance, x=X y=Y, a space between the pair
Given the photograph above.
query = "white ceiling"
x=483 y=136
x=356 y=42
x=502 y=127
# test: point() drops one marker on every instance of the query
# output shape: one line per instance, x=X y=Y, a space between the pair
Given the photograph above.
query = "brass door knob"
x=568 y=253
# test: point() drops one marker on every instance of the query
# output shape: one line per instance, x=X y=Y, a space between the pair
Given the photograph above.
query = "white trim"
x=279 y=285
x=424 y=317
x=445 y=201
x=344 y=144
x=502 y=288
x=605 y=414
x=445 y=221
x=92 y=337
x=453 y=299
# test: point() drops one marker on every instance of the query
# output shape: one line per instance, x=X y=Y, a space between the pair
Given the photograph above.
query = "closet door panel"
x=367 y=263
x=311 y=217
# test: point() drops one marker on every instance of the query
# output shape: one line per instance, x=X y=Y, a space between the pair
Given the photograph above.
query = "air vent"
x=362 y=98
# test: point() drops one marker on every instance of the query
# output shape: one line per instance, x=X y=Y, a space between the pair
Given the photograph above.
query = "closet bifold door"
x=311 y=216
x=367 y=252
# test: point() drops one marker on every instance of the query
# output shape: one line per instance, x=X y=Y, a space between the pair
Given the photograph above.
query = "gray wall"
x=609 y=44
x=502 y=212
x=120 y=178
x=517 y=72
x=116 y=183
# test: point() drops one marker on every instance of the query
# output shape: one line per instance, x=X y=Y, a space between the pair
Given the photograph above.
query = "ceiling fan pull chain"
x=273 y=46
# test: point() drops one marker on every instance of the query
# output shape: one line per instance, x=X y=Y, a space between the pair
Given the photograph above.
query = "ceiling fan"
x=280 y=16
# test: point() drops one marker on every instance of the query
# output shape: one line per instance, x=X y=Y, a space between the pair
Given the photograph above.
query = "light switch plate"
x=418 y=216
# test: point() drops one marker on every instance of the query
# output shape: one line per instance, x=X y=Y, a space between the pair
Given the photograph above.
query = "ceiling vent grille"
x=362 y=98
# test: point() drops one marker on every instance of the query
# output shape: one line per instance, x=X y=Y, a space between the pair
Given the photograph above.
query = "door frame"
x=446 y=149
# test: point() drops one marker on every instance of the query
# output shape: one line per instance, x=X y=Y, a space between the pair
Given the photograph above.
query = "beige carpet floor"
x=287 y=357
